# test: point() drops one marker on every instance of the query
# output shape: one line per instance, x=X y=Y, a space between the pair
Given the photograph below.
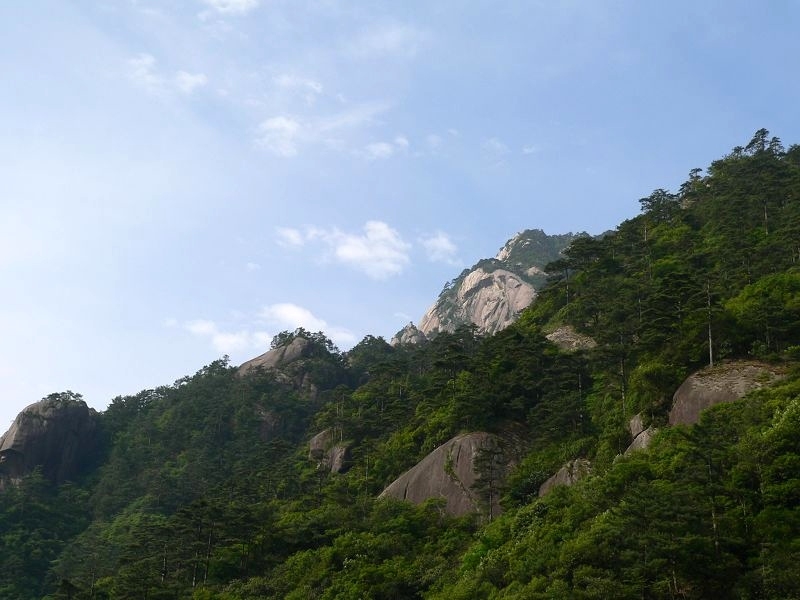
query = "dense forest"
x=205 y=489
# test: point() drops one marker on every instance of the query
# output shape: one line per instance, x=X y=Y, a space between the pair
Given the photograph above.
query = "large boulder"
x=328 y=453
x=569 y=474
x=408 y=335
x=640 y=436
x=57 y=434
x=569 y=340
x=642 y=440
x=298 y=348
x=714 y=385
x=449 y=472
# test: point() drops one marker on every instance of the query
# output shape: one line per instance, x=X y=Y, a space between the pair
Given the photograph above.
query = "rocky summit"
x=56 y=434
x=492 y=293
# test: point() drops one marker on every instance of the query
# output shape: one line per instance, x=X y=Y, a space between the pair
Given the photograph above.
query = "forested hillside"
x=206 y=488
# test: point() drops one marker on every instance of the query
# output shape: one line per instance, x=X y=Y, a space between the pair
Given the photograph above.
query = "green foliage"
x=206 y=489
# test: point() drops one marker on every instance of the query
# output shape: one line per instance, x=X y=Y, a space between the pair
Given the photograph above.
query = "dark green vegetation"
x=206 y=491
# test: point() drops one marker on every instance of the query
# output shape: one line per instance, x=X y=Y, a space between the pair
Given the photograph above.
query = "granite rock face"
x=327 y=453
x=58 y=434
x=278 y=357
x=640 y=436
x=408 y=335
x=642 y=440
x=569 y=474
x=489 y=300
x=449 y=472
x=492 y=293
x=722 y=383
x=569 y=340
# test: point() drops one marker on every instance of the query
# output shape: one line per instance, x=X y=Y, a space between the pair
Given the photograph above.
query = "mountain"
x=632 y=434
x=493 y=293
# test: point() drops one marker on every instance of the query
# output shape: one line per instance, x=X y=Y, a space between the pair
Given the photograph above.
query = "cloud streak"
x=143 y=72
x=379 y=251
x=440 y=248
x=232 y=7
x=285 y=135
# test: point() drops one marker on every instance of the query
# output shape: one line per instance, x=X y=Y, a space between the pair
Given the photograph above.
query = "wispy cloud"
x=228 y=342
x=440 y=248
x=280 y=136
x=285 y=135
x=189 y=82
x=387 y=41
x=289 y=237
x=495 y=151
x=495 y=147
x=143 y=71
x=433 y=141
x=379 y=150
x=254 y=333
x=232 y=7
x=380 y=251
x=307 y=89
x=287 y=316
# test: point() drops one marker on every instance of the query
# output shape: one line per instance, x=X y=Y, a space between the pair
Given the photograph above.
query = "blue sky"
x=184 y=179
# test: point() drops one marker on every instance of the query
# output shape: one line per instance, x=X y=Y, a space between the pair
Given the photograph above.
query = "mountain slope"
x=214 y=487
x=493 y=293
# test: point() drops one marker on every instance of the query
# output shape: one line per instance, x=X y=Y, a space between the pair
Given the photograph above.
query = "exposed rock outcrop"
x=569 y=340
x=569 y=474
x=636 y=425
x=723 y=383
x=642 y=440
x=640 y=436
x=277 y=357
x=492 y=293
x=449 y=472
x=408 y=335
x=327 y=453
x=58 y=434
x=489 y=300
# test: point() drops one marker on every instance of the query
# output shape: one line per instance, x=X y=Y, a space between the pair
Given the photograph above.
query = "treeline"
x=206 y=489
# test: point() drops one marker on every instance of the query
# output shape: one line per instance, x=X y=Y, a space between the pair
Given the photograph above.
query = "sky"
x=181 y=180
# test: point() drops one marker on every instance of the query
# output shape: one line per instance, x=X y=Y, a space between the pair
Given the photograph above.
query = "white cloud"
x=289 y=237
x=228 y=342
x=280 y=135
x=379 y=252
x=284 y=135
x=142 y=72
x=440 y=248
x=292 y=81
x=232 y=7
x=307 y=89
x=392 y=41
x=434 y=141
x=252 y=266
x=495 y=147
x=379 y=150
x=189 y=82
x=287 y=316
x=530 y=149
